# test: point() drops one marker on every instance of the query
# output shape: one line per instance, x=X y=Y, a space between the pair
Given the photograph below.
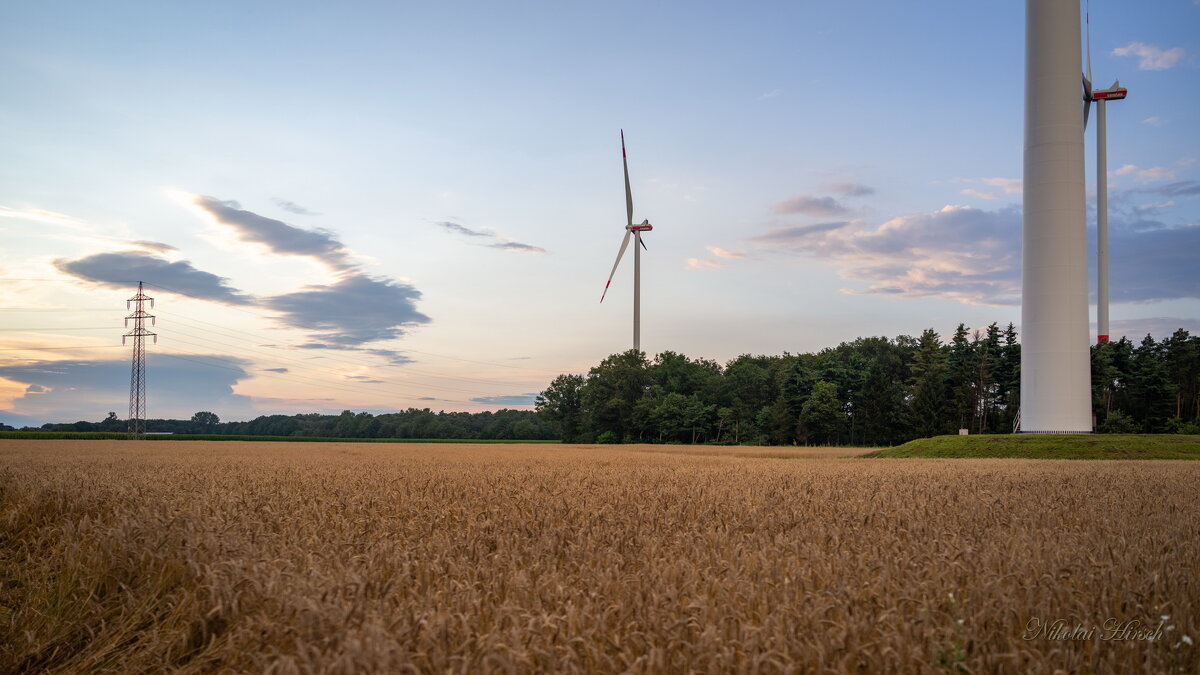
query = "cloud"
x=1149 y=175
x=1160 y=327
x=364 y=379
x=155 y=246
x=124 y=269
x=355 y=310
x=976 y=193
x=69 y=391
x=811 y=206
x=973 y=256
x=1009 y=186
x=722 y=253
x=275 y=370
x=1154 y=264
x=392 y=356
x=702 y=263
x=770 y=94
x=957 y=252
x=293 y=207
x=503 y=243
x=427 y=398
x=517 y=399
x=791 y=236
x=277 y=235
x=851 y=189
x=1153 y=120
x=1151 y=57
x=40 y=216
x=517 y=246
x=461 y=229
x=1185 y=188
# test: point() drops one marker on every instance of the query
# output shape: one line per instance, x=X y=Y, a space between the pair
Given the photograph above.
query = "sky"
x=383 y=205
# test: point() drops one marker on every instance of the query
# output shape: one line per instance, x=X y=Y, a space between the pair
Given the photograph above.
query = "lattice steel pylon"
x=137 y=378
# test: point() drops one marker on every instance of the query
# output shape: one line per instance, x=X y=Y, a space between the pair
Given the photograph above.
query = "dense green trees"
x=872 y=391
x=523 y=425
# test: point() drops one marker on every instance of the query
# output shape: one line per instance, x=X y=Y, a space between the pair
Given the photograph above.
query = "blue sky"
x=383 y=205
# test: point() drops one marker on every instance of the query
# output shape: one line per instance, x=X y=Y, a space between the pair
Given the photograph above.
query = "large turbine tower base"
x=1055 y=361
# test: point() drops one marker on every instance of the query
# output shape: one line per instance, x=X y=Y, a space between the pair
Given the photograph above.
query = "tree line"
x=873 y=391
x=505 y=424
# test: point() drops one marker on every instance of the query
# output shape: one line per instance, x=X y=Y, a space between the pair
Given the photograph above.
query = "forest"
x=503 y=424
x=873 y=391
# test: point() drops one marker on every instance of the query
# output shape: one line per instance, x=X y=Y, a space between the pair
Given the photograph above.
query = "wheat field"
x=203 y=557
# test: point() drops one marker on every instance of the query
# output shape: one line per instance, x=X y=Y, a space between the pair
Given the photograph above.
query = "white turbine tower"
x=1055 y=364
x=636 y=232
x=1114 y=93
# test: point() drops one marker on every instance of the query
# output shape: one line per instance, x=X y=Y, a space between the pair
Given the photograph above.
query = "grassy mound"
x=1051 y=446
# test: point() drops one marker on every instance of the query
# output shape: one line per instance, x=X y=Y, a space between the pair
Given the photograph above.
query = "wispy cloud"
x=722 y=253
x=276 y=235
x=1148 y=175
x=125 y=268
x=811 y=206
x=502 y=243
x=155 y=246
x=40 y=216
x=293 y=207
x=1183 y=188
x=517 y=246
x=1153 y=120
x=1008 y=186
x=462 y=229
x=275 y=370
x=770 y=94
x=1151 y=57
x=957 y=252
x=1159 y=326
x=851 y=189
x=1147 y=208
x=973 y=256
x=703 y=263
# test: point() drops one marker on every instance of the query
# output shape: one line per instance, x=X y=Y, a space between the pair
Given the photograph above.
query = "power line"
x=354 y=362
x=344 y=385
x=268 y=318
x=56 y=328
x=46 y=349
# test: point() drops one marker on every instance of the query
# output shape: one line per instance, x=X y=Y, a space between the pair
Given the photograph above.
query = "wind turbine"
x=1114 y=93
x=634 y=231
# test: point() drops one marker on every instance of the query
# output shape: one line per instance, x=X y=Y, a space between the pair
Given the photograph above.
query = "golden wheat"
x=344 y=558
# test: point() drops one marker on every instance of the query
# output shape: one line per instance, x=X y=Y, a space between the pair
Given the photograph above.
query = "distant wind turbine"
x=1114 y=93
x=636 y=232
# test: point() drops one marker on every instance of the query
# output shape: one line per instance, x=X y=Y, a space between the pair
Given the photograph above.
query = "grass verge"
x=1052 y=446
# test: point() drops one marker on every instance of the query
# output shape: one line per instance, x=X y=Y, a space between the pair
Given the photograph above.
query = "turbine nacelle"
x=644 y=226
x=1114 y=93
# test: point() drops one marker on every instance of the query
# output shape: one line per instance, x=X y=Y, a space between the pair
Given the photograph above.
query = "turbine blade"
x=624 y=244
x=1087 y=99
x=642 y=242
x=1088 y=24
x=628 y=192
